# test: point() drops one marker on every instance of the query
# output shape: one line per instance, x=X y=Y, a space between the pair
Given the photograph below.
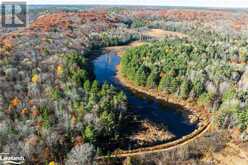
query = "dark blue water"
x=144 y=107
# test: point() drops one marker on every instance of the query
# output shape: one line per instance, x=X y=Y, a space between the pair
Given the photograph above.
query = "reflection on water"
x=105 y=70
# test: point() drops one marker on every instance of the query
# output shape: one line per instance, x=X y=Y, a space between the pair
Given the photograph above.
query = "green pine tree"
x=152 y=80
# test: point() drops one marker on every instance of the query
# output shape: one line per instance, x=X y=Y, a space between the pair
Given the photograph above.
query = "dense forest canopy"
x=197 y=69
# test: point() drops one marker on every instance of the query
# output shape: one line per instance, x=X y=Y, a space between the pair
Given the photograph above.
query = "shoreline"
x=187 y=105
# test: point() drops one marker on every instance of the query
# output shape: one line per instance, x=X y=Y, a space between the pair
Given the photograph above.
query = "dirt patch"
x=230 y=155
x=159 y=33
x=151 y=133
x=139 y=133
x=121 y=49
x=154 y=33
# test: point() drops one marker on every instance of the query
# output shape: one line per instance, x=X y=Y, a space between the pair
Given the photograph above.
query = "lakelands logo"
x=6 y=158
x=14 y=14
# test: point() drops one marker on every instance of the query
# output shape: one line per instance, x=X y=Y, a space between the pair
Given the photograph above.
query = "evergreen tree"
x=140 y=77
x=185 y=89
x=79 y=75
x=89 y=133
x=107 y=120
x=87 y=85
x=168 y=84
x=198 y=88
x=152 y=80
x=131 y=73
x=95 y=87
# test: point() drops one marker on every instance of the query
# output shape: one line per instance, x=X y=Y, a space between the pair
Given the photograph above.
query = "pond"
x=143 y=106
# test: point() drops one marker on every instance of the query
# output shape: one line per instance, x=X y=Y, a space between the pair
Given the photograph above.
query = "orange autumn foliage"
x=24 y=111
x=15 y=102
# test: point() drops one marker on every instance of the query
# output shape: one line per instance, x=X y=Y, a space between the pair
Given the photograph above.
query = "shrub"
x=229 y=94
x=204 y=99
x=89 y=133
x=226 y=119
x=137 y=23
x=83 y=154
x=55 y=94
x=243 y=118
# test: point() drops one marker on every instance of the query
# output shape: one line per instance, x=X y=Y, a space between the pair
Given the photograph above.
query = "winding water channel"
x=142 y=106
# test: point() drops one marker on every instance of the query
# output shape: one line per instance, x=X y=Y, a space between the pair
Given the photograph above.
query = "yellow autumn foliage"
x=35 y=78
x=52 y=163
x=59 y=70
